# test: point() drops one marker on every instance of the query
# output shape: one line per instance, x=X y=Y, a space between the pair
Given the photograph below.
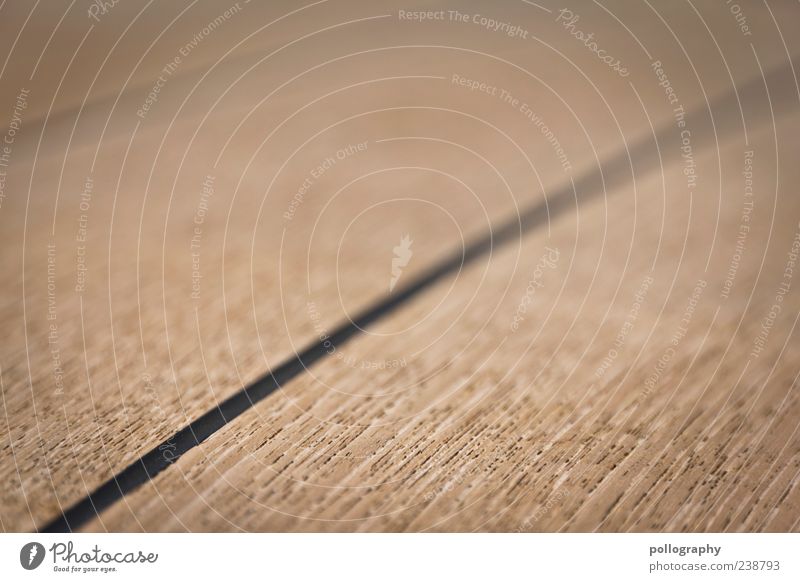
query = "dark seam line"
x=590 y=185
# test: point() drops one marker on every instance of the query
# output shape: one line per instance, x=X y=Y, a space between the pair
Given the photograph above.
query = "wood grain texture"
x=646 y=387
x=487 y=445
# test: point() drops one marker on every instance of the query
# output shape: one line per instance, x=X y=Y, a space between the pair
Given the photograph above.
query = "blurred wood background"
x=194 y=192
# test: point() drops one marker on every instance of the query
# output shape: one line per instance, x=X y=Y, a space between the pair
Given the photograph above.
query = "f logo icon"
x=31 y=555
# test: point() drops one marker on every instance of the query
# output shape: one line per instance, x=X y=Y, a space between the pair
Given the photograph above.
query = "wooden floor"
x=617 y=352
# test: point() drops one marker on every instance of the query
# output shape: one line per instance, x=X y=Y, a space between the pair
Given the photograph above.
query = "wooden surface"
x=647 y=384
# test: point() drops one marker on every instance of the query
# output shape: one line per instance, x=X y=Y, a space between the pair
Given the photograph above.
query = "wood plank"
x=453 y=434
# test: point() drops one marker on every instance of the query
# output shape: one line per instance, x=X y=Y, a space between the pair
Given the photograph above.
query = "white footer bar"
x=401 y=557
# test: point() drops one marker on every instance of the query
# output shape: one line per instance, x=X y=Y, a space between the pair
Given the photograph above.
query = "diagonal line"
x=642 y=155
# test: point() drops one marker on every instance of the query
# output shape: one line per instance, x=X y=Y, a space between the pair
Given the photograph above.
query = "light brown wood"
x=443 y=415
